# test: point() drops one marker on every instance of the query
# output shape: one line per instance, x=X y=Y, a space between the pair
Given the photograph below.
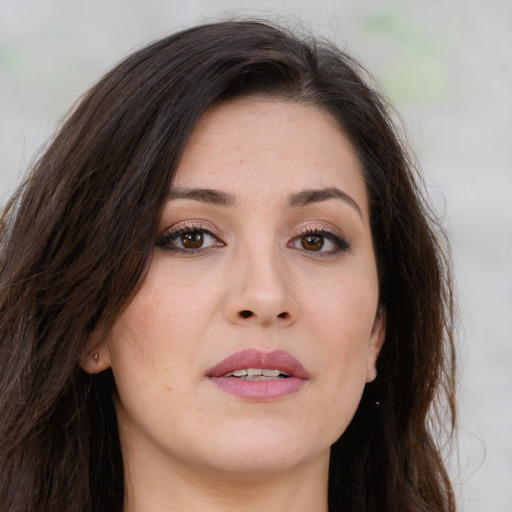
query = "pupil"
x=192 y=240
x=312 y=242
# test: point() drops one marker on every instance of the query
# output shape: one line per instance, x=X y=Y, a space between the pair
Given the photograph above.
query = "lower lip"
x=259 y=390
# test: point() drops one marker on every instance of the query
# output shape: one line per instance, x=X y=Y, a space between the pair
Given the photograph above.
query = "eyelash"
x=168 y=240
x=336 y=238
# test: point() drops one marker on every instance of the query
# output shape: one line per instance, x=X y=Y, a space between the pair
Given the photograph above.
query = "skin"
x=187 y=445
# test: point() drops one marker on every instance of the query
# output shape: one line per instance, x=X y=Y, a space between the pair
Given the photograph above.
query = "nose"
x=261 y=293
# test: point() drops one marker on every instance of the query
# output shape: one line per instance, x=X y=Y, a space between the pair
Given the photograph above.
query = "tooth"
x=270 y=373
x=256 y=374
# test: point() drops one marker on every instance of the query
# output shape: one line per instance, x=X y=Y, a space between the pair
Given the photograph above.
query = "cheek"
x=342 y=336
x=343 y=310
x=134 y=350
x=159 y=334
x=147 y=355
x=341 y=322
x=169 y=309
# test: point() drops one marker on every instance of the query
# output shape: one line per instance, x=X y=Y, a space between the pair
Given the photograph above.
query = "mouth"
x=257 y=375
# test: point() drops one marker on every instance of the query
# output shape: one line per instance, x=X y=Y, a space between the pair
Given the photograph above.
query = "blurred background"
x=447 y=67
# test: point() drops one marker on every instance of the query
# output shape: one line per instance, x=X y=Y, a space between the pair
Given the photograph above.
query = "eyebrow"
x=204 y=195
x=307 y=197
x=297 y=200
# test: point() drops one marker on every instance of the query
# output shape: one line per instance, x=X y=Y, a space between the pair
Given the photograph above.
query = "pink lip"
x=264 y=390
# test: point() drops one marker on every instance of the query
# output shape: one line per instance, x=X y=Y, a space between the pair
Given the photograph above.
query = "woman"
x=220 y=288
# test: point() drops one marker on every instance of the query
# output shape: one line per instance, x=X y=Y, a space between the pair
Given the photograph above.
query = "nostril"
x=246 y=313
x=283 y=315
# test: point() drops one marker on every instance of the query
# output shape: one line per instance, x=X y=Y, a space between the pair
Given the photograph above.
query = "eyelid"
x=318 y=227
x=332 y=233
x=192 y=225
x=185 y=226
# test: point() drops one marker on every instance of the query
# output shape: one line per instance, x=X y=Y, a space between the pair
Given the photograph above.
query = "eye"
x=320 y=241
x=189 y=239
x=312 y=242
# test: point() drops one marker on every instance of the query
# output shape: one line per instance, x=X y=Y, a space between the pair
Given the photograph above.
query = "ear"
x=96 y=357
x=377 y=338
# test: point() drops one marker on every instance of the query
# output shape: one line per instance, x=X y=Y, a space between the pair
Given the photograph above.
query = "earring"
x=96 y=356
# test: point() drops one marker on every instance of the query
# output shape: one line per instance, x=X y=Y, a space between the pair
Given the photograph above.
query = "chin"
x=253 y=462
x=264 y=449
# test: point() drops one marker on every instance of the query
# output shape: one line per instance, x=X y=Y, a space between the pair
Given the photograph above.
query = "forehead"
x=283 y=146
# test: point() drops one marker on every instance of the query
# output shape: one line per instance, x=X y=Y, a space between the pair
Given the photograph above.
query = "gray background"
x=447 y=66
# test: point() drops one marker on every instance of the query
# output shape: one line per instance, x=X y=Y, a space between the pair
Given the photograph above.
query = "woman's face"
x=264 y=261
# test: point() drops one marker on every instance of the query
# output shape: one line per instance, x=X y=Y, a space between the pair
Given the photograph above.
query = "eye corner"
x=329 y=242
x=201 y=239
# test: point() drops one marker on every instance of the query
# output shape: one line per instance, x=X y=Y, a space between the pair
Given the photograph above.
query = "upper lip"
x=254 y=358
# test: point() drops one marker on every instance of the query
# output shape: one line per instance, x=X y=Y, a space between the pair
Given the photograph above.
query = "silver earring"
x=96 y=356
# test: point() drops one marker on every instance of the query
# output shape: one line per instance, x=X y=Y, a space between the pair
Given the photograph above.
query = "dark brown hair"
x=78 y=235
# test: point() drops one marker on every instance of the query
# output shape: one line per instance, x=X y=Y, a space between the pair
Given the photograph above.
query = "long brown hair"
x=78 y=235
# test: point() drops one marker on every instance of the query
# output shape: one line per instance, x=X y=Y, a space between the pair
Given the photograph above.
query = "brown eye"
x=320 y=241
x=192 y=240
x=312 y=242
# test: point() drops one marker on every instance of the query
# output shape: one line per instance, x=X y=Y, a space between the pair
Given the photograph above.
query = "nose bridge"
x=265 y=274
x=261 y=289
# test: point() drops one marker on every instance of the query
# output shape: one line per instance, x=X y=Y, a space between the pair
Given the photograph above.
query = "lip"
x=264 y=390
